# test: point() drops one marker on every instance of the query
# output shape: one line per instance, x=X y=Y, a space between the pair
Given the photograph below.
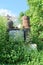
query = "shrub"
x=16 y=53
x=11 y=52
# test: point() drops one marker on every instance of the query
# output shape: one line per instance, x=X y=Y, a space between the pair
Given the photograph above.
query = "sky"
x=15 y=6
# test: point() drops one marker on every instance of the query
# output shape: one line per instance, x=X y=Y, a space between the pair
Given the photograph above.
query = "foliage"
x=16 y=53
x=20 y=16
x=10 y=51
x=36 y=20
x=33 y=58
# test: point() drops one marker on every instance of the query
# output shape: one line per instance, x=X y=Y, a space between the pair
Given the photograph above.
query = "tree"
x=20 y=16
x=36 y=20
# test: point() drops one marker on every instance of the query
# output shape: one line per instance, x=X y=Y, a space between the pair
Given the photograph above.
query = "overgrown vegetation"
x=11 y=51
x=18 y=53
x=35 y=12
x=36 y=21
